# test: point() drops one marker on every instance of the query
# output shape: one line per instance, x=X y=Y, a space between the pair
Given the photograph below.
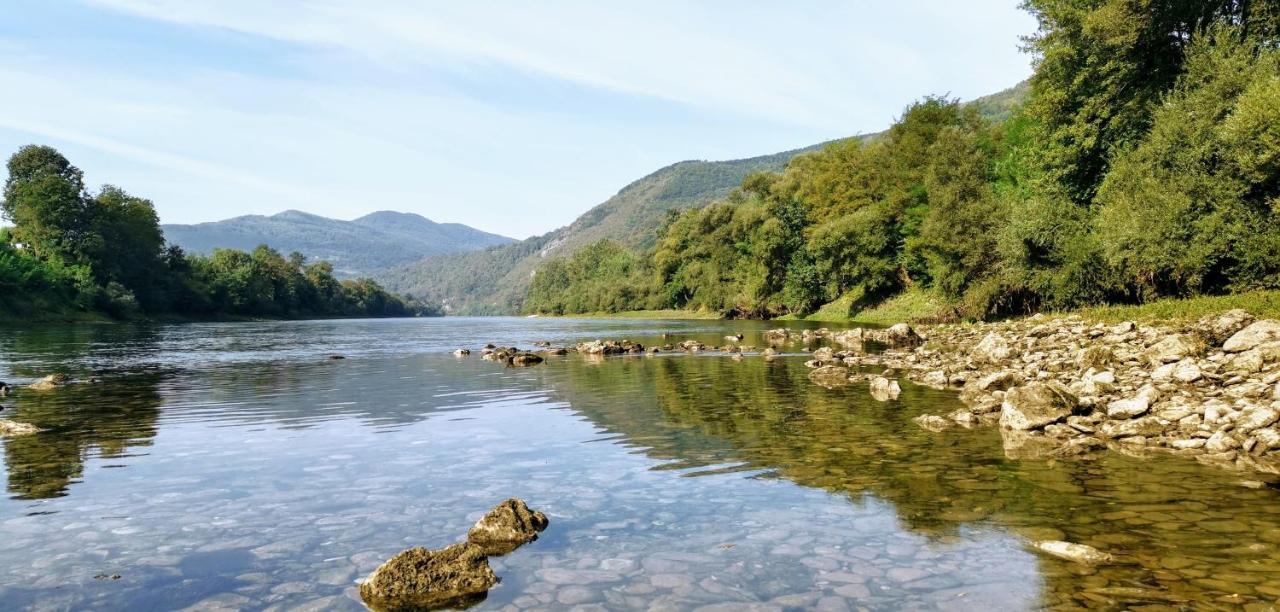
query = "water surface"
x=237 y=466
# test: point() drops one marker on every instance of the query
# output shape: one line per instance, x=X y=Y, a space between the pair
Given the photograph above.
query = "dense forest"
x=1143 y=163
x=72 y=252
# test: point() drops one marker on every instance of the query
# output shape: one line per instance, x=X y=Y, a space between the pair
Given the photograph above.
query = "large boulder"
x=1260 y=332
x=418 y=578
x=1035 y=405
x=510 y=524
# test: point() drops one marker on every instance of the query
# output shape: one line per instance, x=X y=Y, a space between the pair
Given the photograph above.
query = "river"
x=236 y=465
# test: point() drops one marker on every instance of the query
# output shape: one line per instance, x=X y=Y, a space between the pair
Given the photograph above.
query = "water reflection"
x=278 y=477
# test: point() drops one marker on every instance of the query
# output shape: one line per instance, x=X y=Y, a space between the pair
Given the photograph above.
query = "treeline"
x=74 y=251
x=1144 y=163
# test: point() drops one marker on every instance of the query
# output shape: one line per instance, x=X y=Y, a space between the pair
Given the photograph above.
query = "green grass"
x=910 y=305
x=671 y=314
x=1263 y=304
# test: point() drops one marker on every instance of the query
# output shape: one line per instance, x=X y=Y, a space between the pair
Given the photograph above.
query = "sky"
x=510 y=116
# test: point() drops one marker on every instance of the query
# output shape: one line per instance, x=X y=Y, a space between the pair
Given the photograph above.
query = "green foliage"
x=603 y=277
x=105 y=252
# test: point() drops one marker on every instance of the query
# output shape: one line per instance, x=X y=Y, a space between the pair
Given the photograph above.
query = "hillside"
x=366 y=245
x=494 y=281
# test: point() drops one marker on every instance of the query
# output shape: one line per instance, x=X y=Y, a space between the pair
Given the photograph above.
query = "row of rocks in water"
x=457 y=575
x=10 y=428
x=1064 y=386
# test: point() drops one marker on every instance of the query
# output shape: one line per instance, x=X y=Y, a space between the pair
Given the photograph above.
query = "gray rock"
x=419 y=578
x=932 y=422
x=993 y=348
x=1145 y=426
x=1173 y=348
x=830 y=376
x=1134 y=406
x=903 y=336
x=462 y=352
x=1080 y=553
x=1035 y=405
x=1256 y=334
x=1217 y=329
x=1221 y=442
x=1256 y=417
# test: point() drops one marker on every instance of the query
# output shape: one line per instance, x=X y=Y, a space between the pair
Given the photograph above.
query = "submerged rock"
x=50 y=382
x=521 y=360
x=462 y=352
x=506 y=527
x=884 y=390
x=424 y=579
x=14 y=428
x=1035 y=405
x=932 y=422
x=830 y=376
x=4 y=389
x=1079 y=553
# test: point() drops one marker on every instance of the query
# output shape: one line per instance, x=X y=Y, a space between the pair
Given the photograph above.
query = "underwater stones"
x=14 y=428
x=932 y=422
x=507 y=526
x=884 y=390
x=422 y=579
x=1250 y=337
x=1079 y=553
x=830 y=376
x=1035 y=405
x=462 y=352
x=776 y=336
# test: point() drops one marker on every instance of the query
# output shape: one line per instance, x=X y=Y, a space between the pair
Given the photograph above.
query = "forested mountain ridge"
x=495 y=281
x=374 y=242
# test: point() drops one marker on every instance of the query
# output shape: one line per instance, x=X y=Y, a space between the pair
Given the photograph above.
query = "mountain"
x=372 y=243
x=494 y=281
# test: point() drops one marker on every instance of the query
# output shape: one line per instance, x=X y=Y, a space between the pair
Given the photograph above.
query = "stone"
x=1035 y=405
x=1095 y=357
x=824 y=354
x=993 y=348
x=506 y=527
x=1256 y=417
x=769 y=352
x=938 y=379
x=1221 y=442
x=1187 y=371
x=932 y=422
x=14 y=428
x=523 y=360
x=1174 y=347
x=49 y=382
x=4 y=389
x=1217 y=329
x=424 y=579
x=903 y=336
x=1080 y=553
x=1255 y=334
x=884 y=390
x=830 y=376
x=1145 y=426
x=462 y=352
x=1134 y=406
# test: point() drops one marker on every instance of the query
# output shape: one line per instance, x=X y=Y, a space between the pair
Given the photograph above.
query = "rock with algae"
x=506 y=527
x=421 y=579
x=14 y=428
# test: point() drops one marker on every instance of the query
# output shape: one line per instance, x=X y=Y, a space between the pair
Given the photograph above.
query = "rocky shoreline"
x=1062 y=387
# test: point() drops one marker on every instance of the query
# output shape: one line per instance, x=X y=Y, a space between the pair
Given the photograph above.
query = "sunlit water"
x=237 y=466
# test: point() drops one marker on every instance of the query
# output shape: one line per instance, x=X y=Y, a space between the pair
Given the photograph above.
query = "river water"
x=237 y=466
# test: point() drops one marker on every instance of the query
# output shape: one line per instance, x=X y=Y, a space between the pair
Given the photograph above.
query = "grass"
x=1263 y=304
x=670 y=314
x=910 y=305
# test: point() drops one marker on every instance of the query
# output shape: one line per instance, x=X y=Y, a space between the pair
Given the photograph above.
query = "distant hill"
x=494 y=281
x=370 y=244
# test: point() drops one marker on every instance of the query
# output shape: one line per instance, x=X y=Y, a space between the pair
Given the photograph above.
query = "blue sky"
x=513 y=117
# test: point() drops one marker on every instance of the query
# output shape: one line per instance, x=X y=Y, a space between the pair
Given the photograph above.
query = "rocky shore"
x=1059 y=387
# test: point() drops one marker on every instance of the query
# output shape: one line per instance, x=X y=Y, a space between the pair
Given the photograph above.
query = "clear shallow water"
x=236 y=466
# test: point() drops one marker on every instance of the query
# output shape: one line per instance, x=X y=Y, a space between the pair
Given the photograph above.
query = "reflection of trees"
x=108 y=419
